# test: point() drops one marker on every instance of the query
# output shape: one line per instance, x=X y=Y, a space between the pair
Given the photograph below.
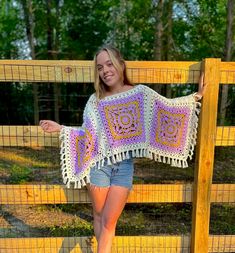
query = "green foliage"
x=20 y=175
x=207 y=30
x=75 y=29
x=77 y=228
x=11 y=30
x=78 y=28
x=16 y=104
x=222 y=219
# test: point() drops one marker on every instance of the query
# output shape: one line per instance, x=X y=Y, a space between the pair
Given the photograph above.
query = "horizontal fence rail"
x=163 y=193
x=82 y=71
x=137 y=244
x=33 y=136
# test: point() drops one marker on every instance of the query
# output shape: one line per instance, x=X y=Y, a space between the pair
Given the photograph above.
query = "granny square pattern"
x=123 y=120
x=169 y=128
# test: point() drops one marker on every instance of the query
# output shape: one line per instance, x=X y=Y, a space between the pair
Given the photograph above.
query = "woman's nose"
x=105 y=69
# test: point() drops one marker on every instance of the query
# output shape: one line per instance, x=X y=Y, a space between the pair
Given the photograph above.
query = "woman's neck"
x=124 y=87
x=114 y=90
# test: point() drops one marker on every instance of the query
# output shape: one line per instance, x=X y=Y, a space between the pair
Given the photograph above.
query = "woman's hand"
x=201 y=88
x=50 y=126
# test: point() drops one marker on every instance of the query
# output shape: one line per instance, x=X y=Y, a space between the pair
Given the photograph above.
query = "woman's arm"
x=201 y=88
x=50 y=126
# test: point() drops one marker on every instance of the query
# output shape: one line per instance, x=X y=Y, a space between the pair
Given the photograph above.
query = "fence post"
x=205 y=158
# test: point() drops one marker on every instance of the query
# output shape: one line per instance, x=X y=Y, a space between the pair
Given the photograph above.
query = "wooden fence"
x=201 y=193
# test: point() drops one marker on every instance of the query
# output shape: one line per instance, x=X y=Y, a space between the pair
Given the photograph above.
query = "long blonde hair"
x=117 y=61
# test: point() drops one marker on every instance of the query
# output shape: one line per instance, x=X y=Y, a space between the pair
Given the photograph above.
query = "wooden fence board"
x=121 y=244
x=27 y=136
x=227 y=73
x=59 y=194
x=205 y=158
x=82 y=71
x=225 y=136
x=33 y=136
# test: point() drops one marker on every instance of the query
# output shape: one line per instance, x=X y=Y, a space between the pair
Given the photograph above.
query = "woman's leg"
x=114 y=204
x=108 y=202
x=98 y=197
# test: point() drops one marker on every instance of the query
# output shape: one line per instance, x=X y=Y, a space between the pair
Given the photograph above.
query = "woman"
x=110 y=182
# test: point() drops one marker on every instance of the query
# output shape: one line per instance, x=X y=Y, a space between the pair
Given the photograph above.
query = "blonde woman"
x=109 y=175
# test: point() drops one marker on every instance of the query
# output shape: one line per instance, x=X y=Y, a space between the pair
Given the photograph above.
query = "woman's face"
x=107 y=72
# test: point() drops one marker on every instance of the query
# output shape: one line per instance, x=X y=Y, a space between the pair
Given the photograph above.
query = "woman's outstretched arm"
x=50 y=126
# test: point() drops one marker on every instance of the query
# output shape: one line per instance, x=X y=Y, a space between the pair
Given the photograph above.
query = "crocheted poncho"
x=138 y=120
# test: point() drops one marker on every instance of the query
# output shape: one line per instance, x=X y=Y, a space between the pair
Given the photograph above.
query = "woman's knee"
x=97 y=215
x=108 y=223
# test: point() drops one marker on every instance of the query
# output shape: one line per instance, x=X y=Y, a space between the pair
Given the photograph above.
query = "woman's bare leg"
x=114 y=204
x=98 y=197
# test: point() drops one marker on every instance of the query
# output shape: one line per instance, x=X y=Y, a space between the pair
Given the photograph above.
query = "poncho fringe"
x=139 y=122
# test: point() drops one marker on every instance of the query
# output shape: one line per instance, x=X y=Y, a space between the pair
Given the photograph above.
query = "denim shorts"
x=120 y=174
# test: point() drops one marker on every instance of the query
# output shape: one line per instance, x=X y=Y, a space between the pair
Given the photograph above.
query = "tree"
x=11 y=30
x=228 y=57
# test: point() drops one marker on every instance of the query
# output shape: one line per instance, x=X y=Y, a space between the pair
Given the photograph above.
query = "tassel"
x=133 y=153
x=117 y=158
x=127 y=155
x=185 y=164
x=179 y=164
x=169 y=160
x=113 y=159
x=98 y=165
x=143 y=153
x=83 y=182
x=146 y=153
x=164 y=159
x=137 y=153
x=109 y=161
x=62 y=150
x=151 y=155
x=78 y=184
x=123 y=156
x=102 y=163
x=155 y=157
x=88 y=179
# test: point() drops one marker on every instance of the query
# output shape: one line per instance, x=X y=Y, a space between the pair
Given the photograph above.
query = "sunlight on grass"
x=13 y=157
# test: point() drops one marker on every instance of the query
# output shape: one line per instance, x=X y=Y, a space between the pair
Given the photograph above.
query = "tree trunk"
x=158 y=32
x=169 y=40
x=228 y=57
x=29 y=22
x=52 y=47
x=158 y=38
